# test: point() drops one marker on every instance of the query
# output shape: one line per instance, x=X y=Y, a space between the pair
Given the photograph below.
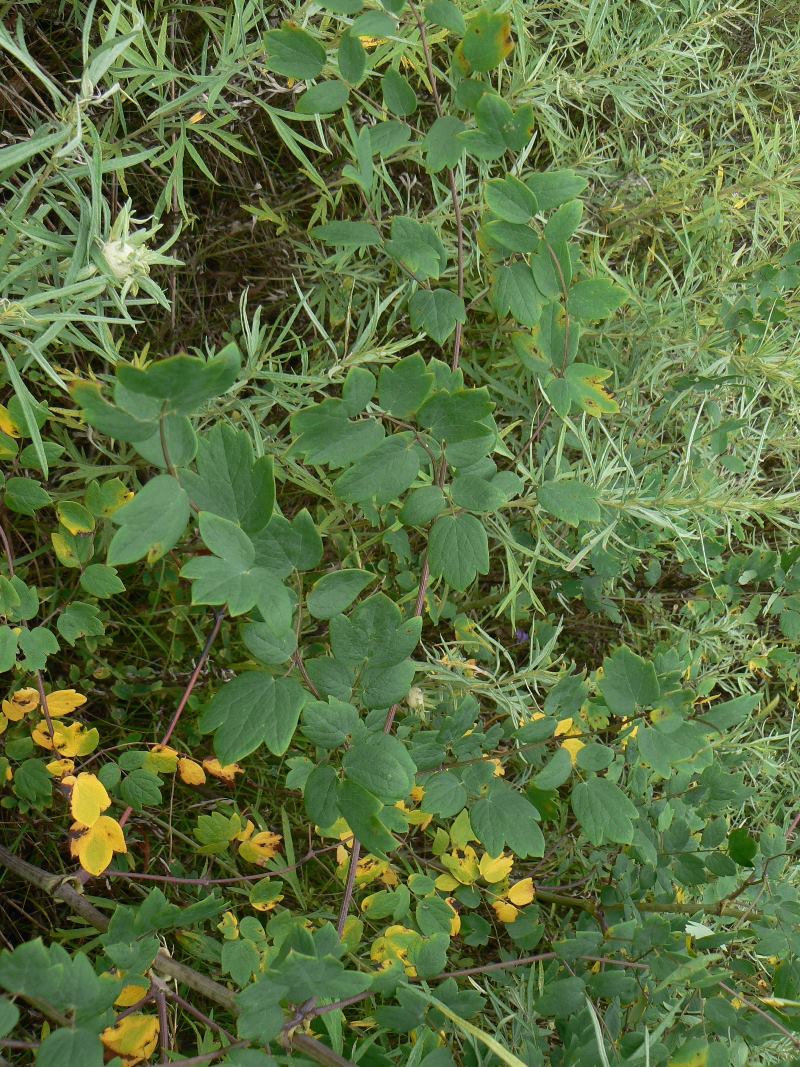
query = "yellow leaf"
x=506 y=912
x=247 y=832
x=134 y=1038
x=59 y=768
x=495 y=870
x=131 y=994
x=3 y=723
x=190 y=772
x=260 y=848
x=447 y=883
x=161 y=759
x=70 y=741
x=20 y=704
x=225 y=774
x=573 y=745
x=89 y=799
x=7 y=424
x=95 y=845
x=521 y=893
x=567 y=728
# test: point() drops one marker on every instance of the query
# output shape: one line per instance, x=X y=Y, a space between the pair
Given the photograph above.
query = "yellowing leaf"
x=225 y=774
x=229 y=926
x=89 y=799
x=65 y=550
x=447 y=883
x=463 y=865
x=190 y=772
x=134 y=1038
x=495 y=870
x=394 y=945
x=521 y=893
x=21 y=704
x=260 y=848
x=161 y=759
x=73 y=740
x=95 y=845
x=3 y=723
x=246 y=832
x=506 y=912
x=455 y=922
x=131 y=994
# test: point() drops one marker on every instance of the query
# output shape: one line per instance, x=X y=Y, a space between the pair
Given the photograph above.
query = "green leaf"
x=417 y=246
x=251 y=710
x=329 y=723
x=141 y=789
x=101 y=581
x=445 y=795
x=571 y=501
x=436 y=312
x=555 y=187
x=352 y=58
x=335 y=592
x=595 y=298
x=422 y=505
x=398 y=96
x=229 y=576
x=79 y=620
x=361 y=810
x=151 y=524
x=511 y=200
x=512 y=237
x=628 y=682
x=603 y=811
x=442 y=145
x=348 y=234
x=514 y=292
x=9 y=1016
x=404 y=387
x=482 y=495
x=25 y=496
x=564 y=222
x=555 y=772
x=63 y=1047
x=8 y=648
x=324 y=434
x=458 y=550
x=381 y=764
x=383 y=473
x=260 y=1015
x=32 y=782
x=241 y=960
x=505 y=817
x=742 y=848
x=358 y=389
x=36 y=645
x=487 y=40
x=323 y=98
x=230 y=481
x=319 y=795
x=445 y=13
x=183 y=383
x=293 y=53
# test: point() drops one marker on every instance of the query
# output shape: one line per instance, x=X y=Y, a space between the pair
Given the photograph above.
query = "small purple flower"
x=521 y=637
